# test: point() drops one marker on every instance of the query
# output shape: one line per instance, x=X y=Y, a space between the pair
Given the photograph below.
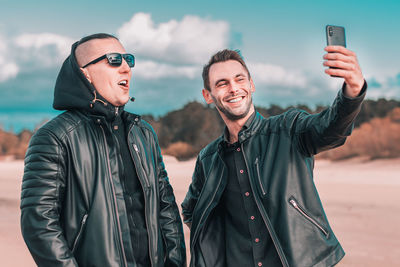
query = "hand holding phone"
x=342 y=62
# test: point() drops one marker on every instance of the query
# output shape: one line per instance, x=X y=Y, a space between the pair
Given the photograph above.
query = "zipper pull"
x=293 y=202
x=116 y=111
x=136 y=148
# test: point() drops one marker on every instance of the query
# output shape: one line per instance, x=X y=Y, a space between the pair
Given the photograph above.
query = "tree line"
x=184 y=132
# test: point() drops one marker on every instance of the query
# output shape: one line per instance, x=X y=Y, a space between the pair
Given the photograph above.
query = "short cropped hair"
x=222 y=56
x=96 y=36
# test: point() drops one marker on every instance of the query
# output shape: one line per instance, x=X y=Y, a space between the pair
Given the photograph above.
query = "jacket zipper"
x=273 y=237
x=144 y=195
x=78 y=236
x=303 y=212
x=137 y=153
x=114 y=198
x=202 y=215
x=259 y=177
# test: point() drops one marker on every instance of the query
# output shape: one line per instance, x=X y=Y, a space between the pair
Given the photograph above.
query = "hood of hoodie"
x=74 y=91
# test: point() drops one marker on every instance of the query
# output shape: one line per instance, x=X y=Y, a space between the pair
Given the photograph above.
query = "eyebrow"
x=224 y=79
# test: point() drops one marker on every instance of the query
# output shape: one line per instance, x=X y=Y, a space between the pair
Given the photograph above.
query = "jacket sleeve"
x=170 y=221
x=42 y=186
x=193 y=193
x=328 y=129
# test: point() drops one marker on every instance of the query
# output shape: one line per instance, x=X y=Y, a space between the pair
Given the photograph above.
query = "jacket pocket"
x=78 y=236
x=261 y=186
x=295 y=204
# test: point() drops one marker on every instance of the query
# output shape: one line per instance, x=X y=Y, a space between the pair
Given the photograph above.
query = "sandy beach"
x=361 y=199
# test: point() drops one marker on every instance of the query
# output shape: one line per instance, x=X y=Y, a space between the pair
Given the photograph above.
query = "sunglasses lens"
x=114 y=59
x=130 y=59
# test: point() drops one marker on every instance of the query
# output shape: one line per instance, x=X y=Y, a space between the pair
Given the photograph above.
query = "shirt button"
x=241 y=171
x=259 y=264
x=252 y=217
x=238 y=149
x=257 y=240
x=247 y=194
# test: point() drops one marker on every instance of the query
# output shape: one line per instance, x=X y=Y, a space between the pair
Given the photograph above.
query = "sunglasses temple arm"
x=95 y=61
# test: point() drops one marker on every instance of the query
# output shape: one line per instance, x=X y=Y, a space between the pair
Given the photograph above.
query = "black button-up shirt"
x=134 y=198
x=247 y=240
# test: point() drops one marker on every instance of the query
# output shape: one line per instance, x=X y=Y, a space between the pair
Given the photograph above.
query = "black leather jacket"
x=278 y=152
x=72 y=205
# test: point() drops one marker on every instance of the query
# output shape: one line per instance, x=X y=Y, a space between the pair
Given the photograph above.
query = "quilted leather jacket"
x=72 y=206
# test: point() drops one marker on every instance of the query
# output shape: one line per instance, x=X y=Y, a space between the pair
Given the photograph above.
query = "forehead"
x=226 y=70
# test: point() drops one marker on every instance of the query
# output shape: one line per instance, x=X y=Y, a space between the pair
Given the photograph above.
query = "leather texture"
x=279 y=157
x=72 y=204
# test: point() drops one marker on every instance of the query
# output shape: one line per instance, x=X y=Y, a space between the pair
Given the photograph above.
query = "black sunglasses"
x=115 y=59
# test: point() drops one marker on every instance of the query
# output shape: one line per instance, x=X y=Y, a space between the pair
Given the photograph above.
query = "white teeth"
x=235 y=100
x=124 y=82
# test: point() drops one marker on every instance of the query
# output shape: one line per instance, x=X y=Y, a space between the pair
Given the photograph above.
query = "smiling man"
x=95 y=191
x=252 y=200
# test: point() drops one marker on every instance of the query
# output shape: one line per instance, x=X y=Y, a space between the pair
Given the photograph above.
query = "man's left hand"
x=347 y=67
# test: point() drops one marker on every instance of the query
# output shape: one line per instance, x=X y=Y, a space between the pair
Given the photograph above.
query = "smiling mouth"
x=235 y=100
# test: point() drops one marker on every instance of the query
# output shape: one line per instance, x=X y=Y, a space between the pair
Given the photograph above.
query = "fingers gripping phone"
x=335 y=36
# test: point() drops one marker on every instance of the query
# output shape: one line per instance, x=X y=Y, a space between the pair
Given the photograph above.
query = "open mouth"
x=124 y=83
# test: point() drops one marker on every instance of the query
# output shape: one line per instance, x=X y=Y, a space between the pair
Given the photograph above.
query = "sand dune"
x=361 y=199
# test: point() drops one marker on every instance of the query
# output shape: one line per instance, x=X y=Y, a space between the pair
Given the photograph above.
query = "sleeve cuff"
x=360 y=95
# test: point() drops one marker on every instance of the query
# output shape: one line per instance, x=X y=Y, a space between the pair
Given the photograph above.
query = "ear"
x=207 y=96
x=86 y=73
x=252 y=87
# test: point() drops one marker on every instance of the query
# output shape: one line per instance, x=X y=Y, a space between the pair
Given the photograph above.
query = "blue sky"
x=282 y=42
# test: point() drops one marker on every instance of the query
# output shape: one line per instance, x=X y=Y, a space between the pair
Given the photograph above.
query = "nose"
x=234 y=88
x=124 y=66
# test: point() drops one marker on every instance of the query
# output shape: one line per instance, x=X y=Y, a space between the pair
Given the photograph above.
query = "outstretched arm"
x=329 y=129
x=347 y=67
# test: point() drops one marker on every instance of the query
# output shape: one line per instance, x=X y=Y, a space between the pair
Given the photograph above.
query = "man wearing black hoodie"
x=95 y=191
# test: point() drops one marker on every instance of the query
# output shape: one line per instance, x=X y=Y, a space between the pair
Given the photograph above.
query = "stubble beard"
x=231 y=116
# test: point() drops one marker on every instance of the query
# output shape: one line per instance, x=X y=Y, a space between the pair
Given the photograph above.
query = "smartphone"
x=335 y=36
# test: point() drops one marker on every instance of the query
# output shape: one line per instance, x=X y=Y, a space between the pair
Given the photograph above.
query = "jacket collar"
x=248 y=129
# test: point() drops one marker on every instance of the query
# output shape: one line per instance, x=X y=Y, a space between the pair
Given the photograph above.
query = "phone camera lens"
x=330 y=31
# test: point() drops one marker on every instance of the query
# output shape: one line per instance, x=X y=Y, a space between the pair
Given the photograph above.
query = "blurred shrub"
x=14 y=146
x=378 y=138
x=180 y=150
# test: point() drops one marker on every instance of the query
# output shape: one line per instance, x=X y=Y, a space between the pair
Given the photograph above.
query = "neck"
x=234 y=126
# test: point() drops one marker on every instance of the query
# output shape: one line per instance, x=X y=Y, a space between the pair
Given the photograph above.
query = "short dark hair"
x=222 y=56
x=96 y=36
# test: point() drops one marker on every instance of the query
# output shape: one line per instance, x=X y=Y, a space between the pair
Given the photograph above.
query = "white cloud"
x=384 y=86
x=8 y=68
x=275 y=75
x=191 y=40
x=46 y=49
x=153 y=70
